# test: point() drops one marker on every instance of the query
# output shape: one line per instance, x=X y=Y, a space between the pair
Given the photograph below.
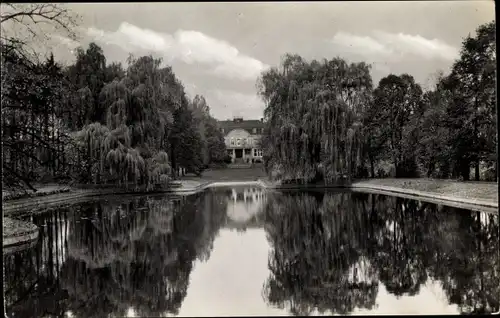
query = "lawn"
x=466 y=190
x=250 y=174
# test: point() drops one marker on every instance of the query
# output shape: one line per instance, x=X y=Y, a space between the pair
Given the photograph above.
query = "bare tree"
x=21 y=23
x=30 y=89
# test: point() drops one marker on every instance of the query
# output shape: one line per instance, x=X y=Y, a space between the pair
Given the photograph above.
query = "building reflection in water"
x=245 y=205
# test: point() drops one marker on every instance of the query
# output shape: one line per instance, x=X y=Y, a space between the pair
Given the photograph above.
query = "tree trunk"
x=395 y=161
x=430 y=169
x=172 y=156
x=89 y=162
x=372 y=167
x=63 y=158
x=465 y=171
x=33 y=148
x=476 y=168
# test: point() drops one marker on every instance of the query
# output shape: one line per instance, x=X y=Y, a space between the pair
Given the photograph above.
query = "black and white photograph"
x=224 y=159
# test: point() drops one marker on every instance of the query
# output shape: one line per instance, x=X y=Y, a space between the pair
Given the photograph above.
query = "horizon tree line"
x=98 y=122
x=326 y=120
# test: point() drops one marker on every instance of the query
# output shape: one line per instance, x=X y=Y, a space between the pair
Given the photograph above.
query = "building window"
x=257 y=152
x=232 y=141
x=254 y=130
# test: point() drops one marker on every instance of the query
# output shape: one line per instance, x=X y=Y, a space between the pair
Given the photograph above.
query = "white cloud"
x=390 y=45
x=232 y=103
x=69 y=43
x=360 y=44
x=188 y=46
x=416 y=44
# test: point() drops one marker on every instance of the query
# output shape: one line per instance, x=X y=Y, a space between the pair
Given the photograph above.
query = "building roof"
x=247 y=125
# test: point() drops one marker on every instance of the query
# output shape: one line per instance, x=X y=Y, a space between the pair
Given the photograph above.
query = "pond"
x=245 y=251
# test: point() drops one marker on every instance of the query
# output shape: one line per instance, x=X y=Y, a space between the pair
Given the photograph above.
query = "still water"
x=245 y=251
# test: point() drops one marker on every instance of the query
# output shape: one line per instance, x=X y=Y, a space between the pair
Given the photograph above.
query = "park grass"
x=13 y=227
x=44 y=191
x=476 y=190
x=485 y=191
x=228 y=174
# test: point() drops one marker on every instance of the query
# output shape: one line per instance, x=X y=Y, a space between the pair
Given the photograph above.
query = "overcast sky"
x=219 y=49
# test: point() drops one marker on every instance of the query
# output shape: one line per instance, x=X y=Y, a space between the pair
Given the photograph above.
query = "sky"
x=219 y=50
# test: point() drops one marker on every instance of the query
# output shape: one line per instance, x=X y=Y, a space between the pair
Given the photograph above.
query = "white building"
x=242 y=138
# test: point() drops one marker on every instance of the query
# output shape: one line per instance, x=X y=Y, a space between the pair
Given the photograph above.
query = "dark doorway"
x=238 y=153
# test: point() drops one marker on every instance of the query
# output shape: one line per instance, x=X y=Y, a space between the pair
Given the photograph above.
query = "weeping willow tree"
x=132 y=146
x=313 y=115
x=96 y=123
x=93 y=138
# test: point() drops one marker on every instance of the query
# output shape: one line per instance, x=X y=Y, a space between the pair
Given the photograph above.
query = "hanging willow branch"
x=311 y=110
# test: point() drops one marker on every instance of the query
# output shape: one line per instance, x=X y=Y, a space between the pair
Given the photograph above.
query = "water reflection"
x=292 y=253
x=332 y=253
x=245 y=208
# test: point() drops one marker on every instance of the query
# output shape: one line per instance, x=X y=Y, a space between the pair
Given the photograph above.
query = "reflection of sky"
x=230 y=284
x=430 y=300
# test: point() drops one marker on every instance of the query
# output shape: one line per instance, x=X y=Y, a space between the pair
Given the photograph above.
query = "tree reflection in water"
x=317 y=243
x=137 y=252
x=330 y=251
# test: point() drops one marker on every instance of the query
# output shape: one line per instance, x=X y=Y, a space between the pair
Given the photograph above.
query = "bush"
x=489 y=174
x=407 y=169
x=227 y=159
x=381 y=173
x=362 y=172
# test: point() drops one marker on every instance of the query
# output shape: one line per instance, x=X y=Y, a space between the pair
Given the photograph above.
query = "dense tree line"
x=139 y=124
x=99 y=122
x=325 y=120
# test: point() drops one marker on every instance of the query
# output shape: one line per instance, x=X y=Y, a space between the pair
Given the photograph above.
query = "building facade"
x=242 y=138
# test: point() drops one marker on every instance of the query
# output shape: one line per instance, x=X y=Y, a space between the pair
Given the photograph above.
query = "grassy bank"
x=468 y=192
x=452 y=190
x=484 y=191
x=213 y=175
x=16 y=232
x=44 y=191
